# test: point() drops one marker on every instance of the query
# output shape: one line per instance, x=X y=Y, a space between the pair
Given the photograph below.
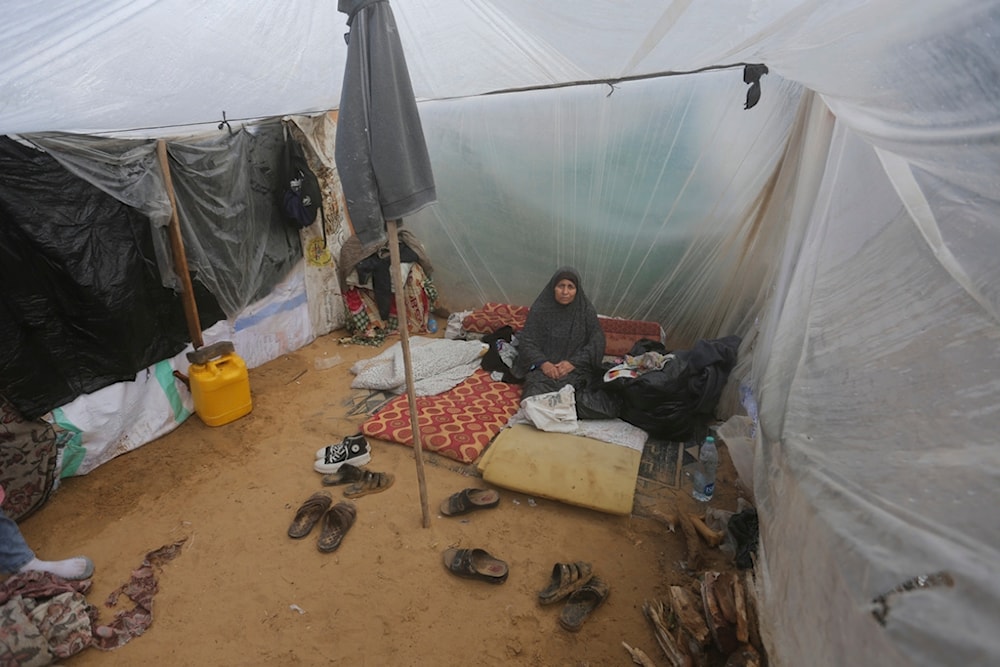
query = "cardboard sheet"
x=559 y=466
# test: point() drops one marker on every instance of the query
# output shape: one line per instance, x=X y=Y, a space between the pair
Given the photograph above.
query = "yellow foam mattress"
x=558 y=466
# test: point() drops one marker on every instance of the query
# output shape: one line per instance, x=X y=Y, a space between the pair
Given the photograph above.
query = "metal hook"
x=225 y=123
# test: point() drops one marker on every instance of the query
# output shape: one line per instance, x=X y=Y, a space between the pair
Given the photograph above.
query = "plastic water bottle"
x=704 y=476
x=432 y=325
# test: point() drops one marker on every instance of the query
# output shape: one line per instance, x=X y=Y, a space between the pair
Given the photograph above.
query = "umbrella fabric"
x=381 y=152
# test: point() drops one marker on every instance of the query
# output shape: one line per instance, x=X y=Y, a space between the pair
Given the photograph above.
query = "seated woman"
x=562 y=341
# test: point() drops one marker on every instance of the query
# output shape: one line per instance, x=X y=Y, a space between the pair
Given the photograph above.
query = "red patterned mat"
x=458 y=424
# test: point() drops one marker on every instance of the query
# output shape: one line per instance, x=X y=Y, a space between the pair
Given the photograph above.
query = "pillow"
x=492 y=316
x=620 y=335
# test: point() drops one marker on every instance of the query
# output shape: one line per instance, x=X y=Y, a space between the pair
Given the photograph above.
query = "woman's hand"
x=564 y=368
x=550 y=370
x=556 y=371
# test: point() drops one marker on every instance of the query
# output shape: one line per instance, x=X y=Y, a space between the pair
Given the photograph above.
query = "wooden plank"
x=686 y=608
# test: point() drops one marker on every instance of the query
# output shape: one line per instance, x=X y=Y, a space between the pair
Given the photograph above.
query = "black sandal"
x=309 y=514
x=475 y=564
x=336 y=522
x=467 y=500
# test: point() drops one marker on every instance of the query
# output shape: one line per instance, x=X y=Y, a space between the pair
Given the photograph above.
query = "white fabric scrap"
x=554 y=412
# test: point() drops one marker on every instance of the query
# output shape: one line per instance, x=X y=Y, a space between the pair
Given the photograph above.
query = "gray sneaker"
x=353 y=449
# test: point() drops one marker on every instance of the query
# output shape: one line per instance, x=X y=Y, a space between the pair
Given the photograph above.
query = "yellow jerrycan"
x=220 y=385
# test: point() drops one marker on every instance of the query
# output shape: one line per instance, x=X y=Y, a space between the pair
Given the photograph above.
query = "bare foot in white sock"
x=78 y=567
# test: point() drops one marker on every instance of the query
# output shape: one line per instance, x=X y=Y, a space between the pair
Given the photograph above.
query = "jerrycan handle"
x=209 y=352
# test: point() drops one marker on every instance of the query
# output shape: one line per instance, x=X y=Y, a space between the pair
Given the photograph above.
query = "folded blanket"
x=438 y=364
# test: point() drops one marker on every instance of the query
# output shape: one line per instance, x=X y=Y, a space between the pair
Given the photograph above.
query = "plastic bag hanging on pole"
x=381 y=153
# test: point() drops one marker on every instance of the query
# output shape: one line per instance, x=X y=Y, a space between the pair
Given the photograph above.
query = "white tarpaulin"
x=847 y=227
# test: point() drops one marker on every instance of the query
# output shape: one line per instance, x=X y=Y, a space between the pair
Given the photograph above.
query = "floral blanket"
x=27 y=461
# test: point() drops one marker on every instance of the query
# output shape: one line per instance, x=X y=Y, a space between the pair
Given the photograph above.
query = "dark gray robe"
x=554 y=332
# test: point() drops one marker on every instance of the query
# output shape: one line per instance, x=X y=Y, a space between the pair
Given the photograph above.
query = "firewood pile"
x=703 y=626
x=712 y=622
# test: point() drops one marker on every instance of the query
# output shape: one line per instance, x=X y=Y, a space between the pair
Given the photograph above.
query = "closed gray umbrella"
x=381 y=153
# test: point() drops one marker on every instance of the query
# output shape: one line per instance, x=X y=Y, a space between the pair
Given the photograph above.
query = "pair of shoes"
x=370 y=482
x=353 y=449
x=335 y=521
x=475 y=564
x=468 y=500
x=583 y=591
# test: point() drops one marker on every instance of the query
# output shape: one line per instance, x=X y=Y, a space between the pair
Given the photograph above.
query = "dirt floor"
x=242 y=592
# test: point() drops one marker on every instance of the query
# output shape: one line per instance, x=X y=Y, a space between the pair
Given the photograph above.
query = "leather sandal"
x=347 y=474
x=467 y=500
x=566 y=578
x=475 y=564
x=582 y=604
x=309 y=513
x=336 y=522
x=371 y=482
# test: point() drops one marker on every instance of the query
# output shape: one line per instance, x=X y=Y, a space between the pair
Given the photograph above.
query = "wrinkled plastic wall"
x=847 y=227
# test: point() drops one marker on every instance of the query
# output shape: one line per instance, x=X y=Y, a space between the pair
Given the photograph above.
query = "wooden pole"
x=404 y=341
x=177 y=249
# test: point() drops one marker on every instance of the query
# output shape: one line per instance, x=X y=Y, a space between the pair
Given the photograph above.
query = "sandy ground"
x=242 y=592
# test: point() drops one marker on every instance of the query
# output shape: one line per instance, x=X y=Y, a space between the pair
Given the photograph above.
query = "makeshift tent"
x=846 y=227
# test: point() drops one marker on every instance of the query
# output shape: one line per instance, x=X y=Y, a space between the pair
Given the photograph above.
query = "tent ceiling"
x=112 y=65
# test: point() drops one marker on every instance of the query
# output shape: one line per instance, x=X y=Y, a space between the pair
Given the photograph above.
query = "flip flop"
x=371 y=482
x=336 y=522
x=582 y=603
x=468 y=500
x=309 y=514
x=475 y=564
x=347 y=474
x=566 y=579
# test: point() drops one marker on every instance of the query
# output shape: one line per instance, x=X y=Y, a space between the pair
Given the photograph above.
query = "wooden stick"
x=404 y=340
x=177 y=250
x=639 y=656
x=691 y=542
x=711 y=537
x=655 y=612
x=742 y=626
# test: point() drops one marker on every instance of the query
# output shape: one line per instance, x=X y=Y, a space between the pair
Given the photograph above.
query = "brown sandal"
x=566 y=578
x=582 y=603
x=336 y=522
x=346 y=474
x=309 y=514
x=372 y=482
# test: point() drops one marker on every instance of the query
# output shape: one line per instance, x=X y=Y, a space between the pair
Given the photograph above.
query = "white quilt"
x=438 y=364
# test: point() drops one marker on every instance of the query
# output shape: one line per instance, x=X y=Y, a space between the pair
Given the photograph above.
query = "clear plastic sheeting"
x=234 y=239
x=639 y=187
x=846 y=228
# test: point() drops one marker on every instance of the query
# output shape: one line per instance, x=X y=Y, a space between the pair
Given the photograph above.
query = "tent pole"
x=404 y=340
x=177 y=250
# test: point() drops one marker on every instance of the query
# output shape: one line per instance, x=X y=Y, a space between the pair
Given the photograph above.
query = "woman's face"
x=565 y=291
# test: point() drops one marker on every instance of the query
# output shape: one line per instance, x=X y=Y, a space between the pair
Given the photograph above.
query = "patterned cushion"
x=620 y=335
x=492 y=316
x=458 y=424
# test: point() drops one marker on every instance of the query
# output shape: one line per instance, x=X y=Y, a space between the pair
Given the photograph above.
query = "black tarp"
x=81 y=301
x=677 y=402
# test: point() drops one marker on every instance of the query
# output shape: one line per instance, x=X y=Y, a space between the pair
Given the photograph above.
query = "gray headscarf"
x=554 y=332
